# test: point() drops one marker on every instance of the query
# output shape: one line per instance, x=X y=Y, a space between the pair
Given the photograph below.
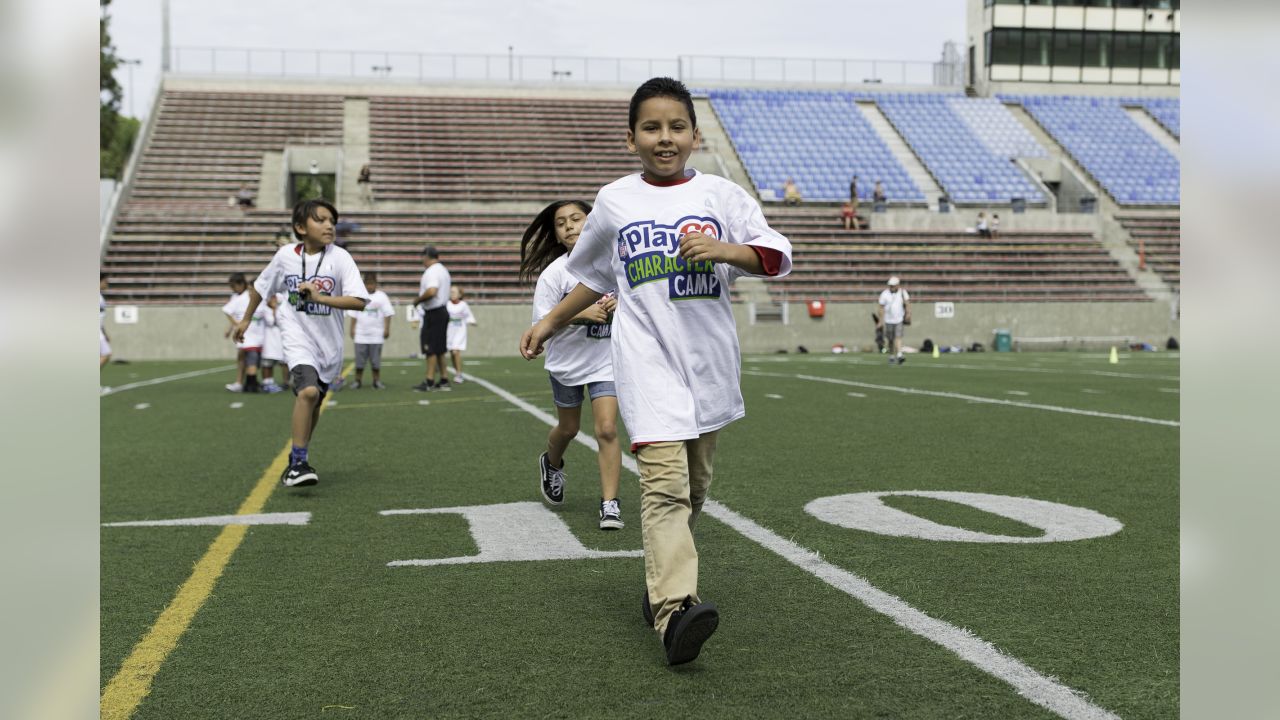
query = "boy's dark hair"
x=661 y=87
x=307 y=209
x=370 y=275
x=539 y=246
x=237 y=278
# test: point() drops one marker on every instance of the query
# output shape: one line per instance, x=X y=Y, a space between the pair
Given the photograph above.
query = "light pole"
x=131 y=64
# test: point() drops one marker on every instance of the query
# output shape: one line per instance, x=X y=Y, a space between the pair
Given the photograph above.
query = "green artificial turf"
x=310 y=621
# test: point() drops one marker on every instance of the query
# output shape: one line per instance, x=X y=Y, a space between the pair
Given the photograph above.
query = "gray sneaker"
x=610 y=515
x=551 y=481
x=377 y=385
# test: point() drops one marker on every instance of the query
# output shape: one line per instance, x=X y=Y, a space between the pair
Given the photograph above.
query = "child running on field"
x=456 y=338
x=248 y=348
x=669 y=241
x=370 y=328
x=321 y=281
x=578 y=357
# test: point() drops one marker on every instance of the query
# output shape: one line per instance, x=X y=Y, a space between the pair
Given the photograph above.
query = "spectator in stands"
x=433 y=295
x=853 y=194
x=674 y=306
x=460 y=317
x=370 y=328
x=104 y=344
x=995 y=224
x=579 y=360
x=983 y=229
x=877 y=194
x=791 y=193
x=894 y=312
x=366 y=187
x=847 y=216
x=326 y=284
x=244 y=198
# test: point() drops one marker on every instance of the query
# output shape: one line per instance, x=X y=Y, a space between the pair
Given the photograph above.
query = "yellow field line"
x=133 y=682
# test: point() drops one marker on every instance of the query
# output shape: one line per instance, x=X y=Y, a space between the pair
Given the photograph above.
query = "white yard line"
x=947 y=365
x=167 y=378
x=974 y=398
x=1028 y=683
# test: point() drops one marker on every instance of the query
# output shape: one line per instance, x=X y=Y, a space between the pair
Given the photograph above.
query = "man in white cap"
x=894 y=310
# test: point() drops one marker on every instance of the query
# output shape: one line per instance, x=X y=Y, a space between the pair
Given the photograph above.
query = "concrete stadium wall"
x=196 y=333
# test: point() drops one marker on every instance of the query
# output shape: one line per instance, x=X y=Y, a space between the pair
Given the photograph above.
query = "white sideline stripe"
x=958 y=366
x=856 y=394
x=168 y=378
x=1030 y=684
x=976 y=399
x=280 y=518
x=142 y=406
x=1018 y=392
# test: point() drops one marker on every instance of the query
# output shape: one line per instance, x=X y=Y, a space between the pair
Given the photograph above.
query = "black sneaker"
x=424 y=386
x=688 y=628
x=443 y=384
x=646 y=609
x=610 y=515
x=551 y=481
x=902 y=359
x=299 y=474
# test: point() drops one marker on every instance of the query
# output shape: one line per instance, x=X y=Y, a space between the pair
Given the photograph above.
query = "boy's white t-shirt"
x=312 y=336
x=255 y=336
x=371 y=322
x=459 y=318
x=894 y=305
x=580 y=353
x=273 y=343
x=675 y=344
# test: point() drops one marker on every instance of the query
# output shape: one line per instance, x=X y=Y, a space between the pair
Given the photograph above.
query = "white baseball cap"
x=893 y=280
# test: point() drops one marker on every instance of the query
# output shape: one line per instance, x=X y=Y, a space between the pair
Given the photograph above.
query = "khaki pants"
x=674 y=478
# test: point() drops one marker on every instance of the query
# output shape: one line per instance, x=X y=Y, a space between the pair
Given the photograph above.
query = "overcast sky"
x=854 y=29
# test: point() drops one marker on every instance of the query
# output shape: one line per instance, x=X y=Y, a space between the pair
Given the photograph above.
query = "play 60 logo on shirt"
x=650 y=252
x=323 y=283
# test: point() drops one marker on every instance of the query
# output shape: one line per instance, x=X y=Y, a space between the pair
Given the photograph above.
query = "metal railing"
x=558 y=69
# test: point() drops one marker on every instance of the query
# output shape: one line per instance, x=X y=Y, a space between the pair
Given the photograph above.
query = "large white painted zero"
x=866 y=511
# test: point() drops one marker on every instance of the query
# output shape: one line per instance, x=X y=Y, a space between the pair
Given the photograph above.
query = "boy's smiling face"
x=319 y=228
x=664 y=137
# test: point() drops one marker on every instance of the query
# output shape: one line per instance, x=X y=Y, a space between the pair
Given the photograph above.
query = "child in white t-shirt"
x=669 y=241
x=321 y=281
x=369 y=329
x=456 y=336
x=578 y=357
x=248 y=349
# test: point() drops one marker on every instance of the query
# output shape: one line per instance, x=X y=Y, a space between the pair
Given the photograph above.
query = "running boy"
x=321 y=281
x=456 y=338
x=578 y=357
x=369 y=329
x=670 y=240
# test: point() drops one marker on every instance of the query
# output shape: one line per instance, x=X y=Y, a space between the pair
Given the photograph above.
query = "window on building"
x=1097 y=49
x=1156 y=50
x=1175 y=52
x=1006 y=47
x=1067 y=48
x=1098 y=3
x=1128 y=50
x=1037 y=47
x=1009 y=2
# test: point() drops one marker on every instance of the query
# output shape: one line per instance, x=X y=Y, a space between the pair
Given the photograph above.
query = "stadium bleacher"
x=1122 y=157
x=1024 y=266
x=968 y=151
x=451 y=148
x=176 y=240
x=818 y=138
x=1167 y=112
x=1159 y=239
x=821 y=139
